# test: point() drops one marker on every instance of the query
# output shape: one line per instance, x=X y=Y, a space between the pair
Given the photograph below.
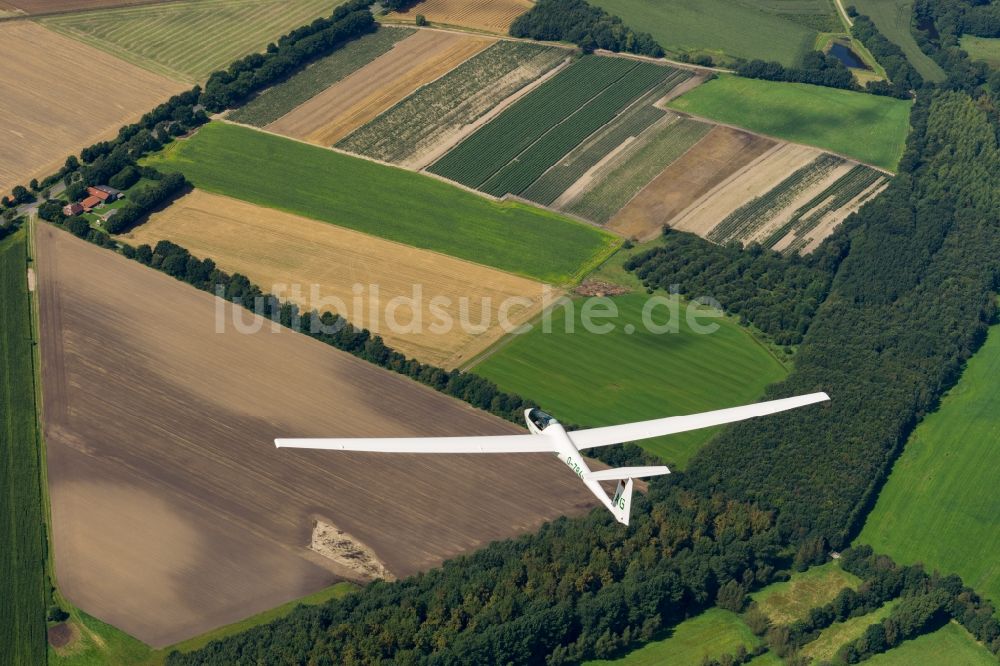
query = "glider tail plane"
x=622 y=502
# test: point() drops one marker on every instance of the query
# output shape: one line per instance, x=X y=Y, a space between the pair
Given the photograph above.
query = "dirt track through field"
x=59 y=95
x=276 y=248
x=356 y=99
x=489 y=15
x=173 y=513
x=721 y=153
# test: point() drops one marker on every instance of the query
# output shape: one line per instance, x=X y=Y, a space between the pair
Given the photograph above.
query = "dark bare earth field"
x=172 y=511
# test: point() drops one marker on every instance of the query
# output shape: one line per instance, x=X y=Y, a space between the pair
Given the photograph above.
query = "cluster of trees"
x=292 y=52
x=958 y=17
x=145 y=201
x=911 y=302
x=902 y=76
x=938 y=26
x=397 y=5
x=927 y=602
x=587 y=26
x=817 y=68
x=776 y=294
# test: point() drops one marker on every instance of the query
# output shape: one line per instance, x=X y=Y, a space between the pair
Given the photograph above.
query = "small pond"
x=844 y=54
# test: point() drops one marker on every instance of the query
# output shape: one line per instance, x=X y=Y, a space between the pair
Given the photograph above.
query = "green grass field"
x=709 y=635
x=941 y=505
x=865 y=127
x=385 y=201
x=22 y=516
x=951 y=645
x=892 y=18
x=278 y=100
x=189 y=40
x=597 y=379
x=982 y=48
x=726 y=29
x=825 y=646
x=793 y=599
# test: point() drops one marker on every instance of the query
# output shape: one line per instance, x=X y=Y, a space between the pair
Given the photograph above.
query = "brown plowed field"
x=173 y=513
x=276 y=248
x=489 y=15
x=59 y=96
x=721 y=153
x=353 y=101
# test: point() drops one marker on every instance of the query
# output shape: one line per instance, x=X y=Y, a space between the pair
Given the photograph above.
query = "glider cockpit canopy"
x=541 y=419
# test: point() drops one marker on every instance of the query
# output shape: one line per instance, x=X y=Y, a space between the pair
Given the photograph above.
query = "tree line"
x=582 y=24
x=777 y=295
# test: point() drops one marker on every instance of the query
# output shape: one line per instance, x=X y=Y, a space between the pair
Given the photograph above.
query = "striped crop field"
x=512 y=151
x=278 y=100
x=189 y=40
x=416 y=126
x=745 y=220
x=635 y=167
x=626 y=126
x=856 y=186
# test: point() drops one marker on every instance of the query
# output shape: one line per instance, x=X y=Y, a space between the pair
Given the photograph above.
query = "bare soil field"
x=356 y=99
x=172 y=511
x=276 y=248
x=488 y=15
x=59 y=96
x=717 y=156
x=754 y=180
x=60 y=6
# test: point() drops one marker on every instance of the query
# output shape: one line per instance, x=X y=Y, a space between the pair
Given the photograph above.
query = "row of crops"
x=458 y=98
x=278 y=100
x=513 y=150
x=743 y=222
x=627 y=125
x=858 y=181
x=632 y=169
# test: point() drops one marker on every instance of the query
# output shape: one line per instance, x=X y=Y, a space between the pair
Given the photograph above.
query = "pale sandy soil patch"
x=341 y=547
x=275 y=249
x=721 y=153
x=358 y=98
x=59 y=96
x=754 y=180
x=172 y=511
x=489 y=15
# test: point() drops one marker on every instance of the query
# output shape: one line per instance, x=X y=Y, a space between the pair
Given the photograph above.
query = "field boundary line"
x=85 y=10
x=643 y=188
x=487 y=117
x=685 y=114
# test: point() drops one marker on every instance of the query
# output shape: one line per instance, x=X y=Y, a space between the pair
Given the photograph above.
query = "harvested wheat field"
x=356 y=99
x=276 y=248
x=721 y=153
x=488 y=15
x=172 y=511
x=60 y=96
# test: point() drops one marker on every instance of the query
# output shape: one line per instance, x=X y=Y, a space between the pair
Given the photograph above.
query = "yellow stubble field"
x=353 y=271
x=60 y=95
x=358 y=98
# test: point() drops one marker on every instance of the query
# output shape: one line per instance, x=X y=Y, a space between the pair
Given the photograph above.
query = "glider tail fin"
x=622 y=502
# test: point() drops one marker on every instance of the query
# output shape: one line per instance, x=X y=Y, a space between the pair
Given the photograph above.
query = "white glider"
x=548 y=436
